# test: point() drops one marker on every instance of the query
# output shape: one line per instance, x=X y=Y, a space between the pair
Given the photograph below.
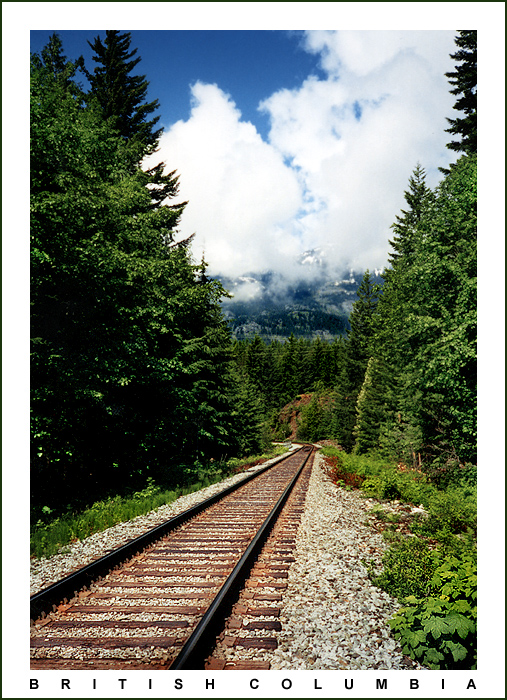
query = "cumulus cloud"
x=338 y=158
x=242 y=196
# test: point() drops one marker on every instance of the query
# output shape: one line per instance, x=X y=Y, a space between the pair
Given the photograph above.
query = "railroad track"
x=205 y=594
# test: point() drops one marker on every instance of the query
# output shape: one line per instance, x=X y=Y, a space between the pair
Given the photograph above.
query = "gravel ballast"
x=45 y=572
x=332 y=617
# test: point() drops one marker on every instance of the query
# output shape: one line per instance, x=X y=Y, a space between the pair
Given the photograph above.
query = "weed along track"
x=204 y=595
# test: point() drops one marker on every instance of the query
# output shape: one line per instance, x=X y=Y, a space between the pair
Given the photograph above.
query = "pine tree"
x=360 y=336
x=370 y=408
x=120 y=95
x=464 y=78
x=129 y=345
x=405 y=227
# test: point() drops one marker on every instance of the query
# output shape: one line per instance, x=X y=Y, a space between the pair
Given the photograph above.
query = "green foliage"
x=360 y=336
x=314 y=421
x=237 y=464
x=120 y=95
x=370 y=407
x=418 y=197
x=401 y=439
x=130 y=351
x=49 y=534
x=248 y=426
x=433 y=570
x=407 y=569
x=338 y=474
x=383 y=486
x=452 y=473
x=451 y=511
x=440 y=631
x=426 y=326
x=464 y=82
x=50 y=531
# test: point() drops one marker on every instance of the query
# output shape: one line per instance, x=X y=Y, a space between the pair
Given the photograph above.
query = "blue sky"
x=250 y=65
x=292 y=141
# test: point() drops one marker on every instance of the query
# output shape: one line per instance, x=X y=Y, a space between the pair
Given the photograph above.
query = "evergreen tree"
x=290 y=362
x=405 y=227
x=129 y=343
x=256 y=363
x=248 y=415
x=358 y=350
x=120 y=95
x=370 y=408
x=464 y=80
x=426 y=324
x=360 y=335
x=442 y=324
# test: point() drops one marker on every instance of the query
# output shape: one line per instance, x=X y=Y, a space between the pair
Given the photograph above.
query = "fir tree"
x=405 y=227
x=120 y=95
x=370 y=408
x=360 y=335
x=464 y=80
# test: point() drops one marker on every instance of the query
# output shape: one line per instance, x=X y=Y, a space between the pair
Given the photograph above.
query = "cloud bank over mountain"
x=332 y=173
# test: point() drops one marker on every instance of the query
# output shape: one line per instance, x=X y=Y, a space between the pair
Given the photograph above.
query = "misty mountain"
x=273 y=307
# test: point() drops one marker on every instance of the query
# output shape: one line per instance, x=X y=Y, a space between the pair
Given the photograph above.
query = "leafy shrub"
x=452 y=473
x=454 y=511
x=441 y=631
x=384 y=485
x=408 y=567
x=451 y=511
x=340 y=476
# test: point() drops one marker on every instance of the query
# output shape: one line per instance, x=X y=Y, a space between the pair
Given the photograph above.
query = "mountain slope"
x=273 y=308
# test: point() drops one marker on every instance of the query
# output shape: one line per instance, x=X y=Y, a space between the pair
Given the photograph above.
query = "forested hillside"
x=310 y=308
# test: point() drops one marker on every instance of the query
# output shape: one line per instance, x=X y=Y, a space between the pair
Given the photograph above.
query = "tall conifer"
x=120 y=94
x=405 y=227
x=464 y=80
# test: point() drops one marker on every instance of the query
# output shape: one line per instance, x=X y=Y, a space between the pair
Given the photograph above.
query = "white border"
x=489 y=18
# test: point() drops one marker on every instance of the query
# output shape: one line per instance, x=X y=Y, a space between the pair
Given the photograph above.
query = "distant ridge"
x=272 y=307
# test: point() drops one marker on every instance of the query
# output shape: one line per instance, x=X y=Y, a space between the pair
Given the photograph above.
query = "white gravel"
x=332 y=616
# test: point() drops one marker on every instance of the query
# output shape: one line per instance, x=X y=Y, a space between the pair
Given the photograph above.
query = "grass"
x=49 y=535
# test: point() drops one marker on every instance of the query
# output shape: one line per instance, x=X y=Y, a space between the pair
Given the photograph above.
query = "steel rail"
x=42 y=603
x=192 y=654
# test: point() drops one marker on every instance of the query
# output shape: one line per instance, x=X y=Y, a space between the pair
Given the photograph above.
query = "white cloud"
x=364 y=52
x=242 y=196
x=339 y=156
x=358 y=168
